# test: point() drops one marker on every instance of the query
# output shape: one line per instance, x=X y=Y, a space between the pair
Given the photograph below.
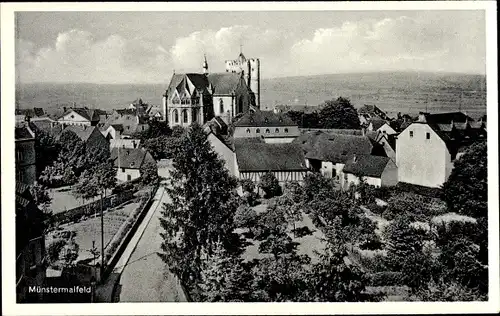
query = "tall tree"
x=270 y=185
x=46 y=148
x=200 y=213
x=466 y=190
x=339 y=113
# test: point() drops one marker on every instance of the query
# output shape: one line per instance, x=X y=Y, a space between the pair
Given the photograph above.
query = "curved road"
x=145 y=277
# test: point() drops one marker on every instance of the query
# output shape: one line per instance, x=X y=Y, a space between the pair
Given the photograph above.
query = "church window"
x=286 y=130
x=277 y=130
x=221 y=106
x=176 y=116
x=268 y=131
x=184 y=116
x=248 y=131
x=257 y=130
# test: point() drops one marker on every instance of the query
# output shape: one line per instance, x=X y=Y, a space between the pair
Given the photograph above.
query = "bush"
x=375 y=263
x=270 y=185
x=245 y=217
x=376 y=209
x=247 y=185
x=385 y=278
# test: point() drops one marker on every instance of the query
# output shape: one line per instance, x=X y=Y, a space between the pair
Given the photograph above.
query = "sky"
x=147 y=47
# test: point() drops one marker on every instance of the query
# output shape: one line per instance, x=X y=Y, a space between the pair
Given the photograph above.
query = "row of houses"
x=422 y=153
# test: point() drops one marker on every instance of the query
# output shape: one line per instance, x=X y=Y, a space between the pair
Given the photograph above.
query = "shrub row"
x=385 y=278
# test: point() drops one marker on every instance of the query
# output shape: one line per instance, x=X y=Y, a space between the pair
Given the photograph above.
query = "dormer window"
x=266 y=120
x=248 y=131
x=132 y=164
x=277 y=130
x=268 y=131
x=286 y=130
x=257 y=130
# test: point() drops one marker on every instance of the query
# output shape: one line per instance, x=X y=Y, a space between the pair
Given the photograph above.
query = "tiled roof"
x=47 y=125
x=82 y=132
x=333 y=131
x=338 y=147
x=23 y=133
x=377 y=123
x=254 y=156
x=366 y=165
x=130 y=158
x=263 y=119
x=224 y=83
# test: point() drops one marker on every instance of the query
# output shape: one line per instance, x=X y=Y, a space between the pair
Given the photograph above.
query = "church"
x=199 y=97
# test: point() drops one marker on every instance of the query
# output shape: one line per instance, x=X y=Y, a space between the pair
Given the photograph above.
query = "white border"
x=8 y=177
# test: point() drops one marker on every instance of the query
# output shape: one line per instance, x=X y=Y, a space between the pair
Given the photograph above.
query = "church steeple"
x=205 y=65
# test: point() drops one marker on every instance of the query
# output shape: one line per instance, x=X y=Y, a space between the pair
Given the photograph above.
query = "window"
x=176 y=116
x=129 y=177
x=72 y=116
x=184 y=116
x=277 y=130
x=411 y=133
x=428 y=135
x=19 y=155
x=142 y=127
x=286 y=130
x=248 y=131
x=123 y=169
x=268 y=131
x=257 y=130
x=221 y=106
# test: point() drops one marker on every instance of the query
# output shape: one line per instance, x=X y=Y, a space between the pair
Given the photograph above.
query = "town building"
x=129 y=161
x=374 y=170
x=383 y=126
x=427 y=148
x=270 y=126
x=328 y=153
x=125 y=123
x=198 y=97
x=25 y=154
x=388 y=142
x=90 y=135
x=254 y=158
x=80 y=116
x=30 y=246
x=369 y=111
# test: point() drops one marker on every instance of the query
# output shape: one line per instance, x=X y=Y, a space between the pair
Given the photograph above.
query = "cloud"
x=77 y=56
x=428 y=43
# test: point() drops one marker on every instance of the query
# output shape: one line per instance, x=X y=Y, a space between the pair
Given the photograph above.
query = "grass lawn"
x=63 y=200
x=90 y=229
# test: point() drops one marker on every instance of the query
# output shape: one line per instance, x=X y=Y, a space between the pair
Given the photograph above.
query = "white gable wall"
x=422 y=161
x=73 y=118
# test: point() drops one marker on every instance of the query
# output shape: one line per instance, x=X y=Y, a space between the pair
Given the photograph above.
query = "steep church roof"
x=224 y=83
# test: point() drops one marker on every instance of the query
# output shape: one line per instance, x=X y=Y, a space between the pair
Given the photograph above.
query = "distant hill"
x=391 y=91
x=407 y=92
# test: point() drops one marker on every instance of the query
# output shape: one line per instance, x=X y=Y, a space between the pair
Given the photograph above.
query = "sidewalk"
x=104 y=292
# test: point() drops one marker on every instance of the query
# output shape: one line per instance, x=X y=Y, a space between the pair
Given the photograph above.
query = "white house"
x=80 y=116
x=375 y=170
x=427 y=148
x=128 y=162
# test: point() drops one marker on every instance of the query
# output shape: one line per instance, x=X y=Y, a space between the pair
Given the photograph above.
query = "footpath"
x=104 y=292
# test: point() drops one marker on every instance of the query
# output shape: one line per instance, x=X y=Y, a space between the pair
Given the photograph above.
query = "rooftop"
x=366 y=165
x=263 y=119
x=132 y=158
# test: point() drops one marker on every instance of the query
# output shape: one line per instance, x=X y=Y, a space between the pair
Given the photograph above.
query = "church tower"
x=250 y=68
x=205 y=65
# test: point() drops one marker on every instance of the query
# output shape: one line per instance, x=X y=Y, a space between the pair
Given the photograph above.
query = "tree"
x=54 y=249
x=270 y=185
x=249 y=194
x=156 y=129
x=41 y=196
x=403 y=240
x=70 y=253
x=202 y=207
x=223 y=278
x=149 y=173
x=441 y=291
x=245 y=217
x=333 y=280
x=466 y=190
x=316 y=184
x=46 y=149
x=178 y=131
x=339 y=113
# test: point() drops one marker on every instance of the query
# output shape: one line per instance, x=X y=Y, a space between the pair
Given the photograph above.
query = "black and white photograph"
x=262 y=152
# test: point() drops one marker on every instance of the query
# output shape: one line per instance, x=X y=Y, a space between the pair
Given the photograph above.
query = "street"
x=145 y=277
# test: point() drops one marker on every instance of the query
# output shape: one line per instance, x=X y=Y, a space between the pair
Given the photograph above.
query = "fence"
x=89 y=209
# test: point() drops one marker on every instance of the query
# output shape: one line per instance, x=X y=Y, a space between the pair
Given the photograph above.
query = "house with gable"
x=376 y=125
x=328 y=153
x=124 y=123
x=129 y=161
x=80 y=116
x=90 y=135
x=427 y=149
x=374 y=170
